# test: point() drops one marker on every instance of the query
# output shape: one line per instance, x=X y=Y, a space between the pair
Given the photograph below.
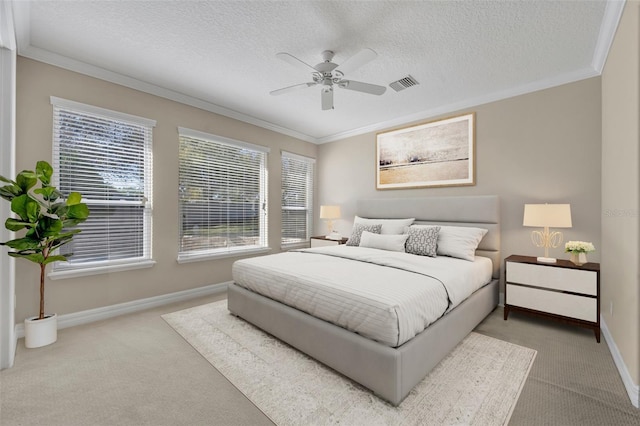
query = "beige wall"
x=36 y=82
x=621 y=189
x=535 y=148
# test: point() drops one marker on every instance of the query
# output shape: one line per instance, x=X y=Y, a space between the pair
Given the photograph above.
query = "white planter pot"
x=42 y=332
x=578 y=259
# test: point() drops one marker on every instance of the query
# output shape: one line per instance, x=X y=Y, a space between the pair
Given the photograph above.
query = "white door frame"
x=8 y=59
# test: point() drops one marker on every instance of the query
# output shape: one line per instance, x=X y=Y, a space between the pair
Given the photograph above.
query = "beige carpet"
x=478 y=383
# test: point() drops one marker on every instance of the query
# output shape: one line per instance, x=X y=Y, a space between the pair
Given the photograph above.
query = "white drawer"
x=566 y=279
x=568 y=305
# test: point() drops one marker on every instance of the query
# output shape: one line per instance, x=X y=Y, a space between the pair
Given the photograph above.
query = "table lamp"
x=330 y=213
x=547 y=216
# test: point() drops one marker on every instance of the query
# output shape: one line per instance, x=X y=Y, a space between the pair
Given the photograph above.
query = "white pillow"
x=459 y=241
x=423 y=240
x=383 y=242
x=389 y=226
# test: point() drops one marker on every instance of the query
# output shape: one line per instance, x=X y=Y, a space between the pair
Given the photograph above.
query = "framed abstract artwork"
x=437 y=153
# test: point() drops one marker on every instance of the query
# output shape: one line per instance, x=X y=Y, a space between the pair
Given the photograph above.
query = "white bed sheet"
x=385 y=296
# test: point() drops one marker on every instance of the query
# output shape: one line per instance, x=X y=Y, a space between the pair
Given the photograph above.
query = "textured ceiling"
x=220 y=55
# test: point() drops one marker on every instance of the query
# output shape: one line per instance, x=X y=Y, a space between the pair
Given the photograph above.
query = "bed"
x=389 y=371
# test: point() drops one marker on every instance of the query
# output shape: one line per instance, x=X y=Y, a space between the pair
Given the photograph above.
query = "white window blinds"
x=297 y=198
x=222 y=195
x=106 y=156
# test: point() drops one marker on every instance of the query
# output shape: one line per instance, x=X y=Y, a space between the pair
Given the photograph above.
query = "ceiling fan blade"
x=291 y=88
x=359 y=86
x=295 y=61
x=327 y=98
x=357 y=60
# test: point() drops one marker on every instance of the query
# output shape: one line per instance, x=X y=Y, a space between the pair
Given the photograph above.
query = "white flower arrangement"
x=578 y=247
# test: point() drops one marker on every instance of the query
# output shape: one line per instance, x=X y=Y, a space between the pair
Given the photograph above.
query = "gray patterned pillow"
x=358 y=228
x=423 y=240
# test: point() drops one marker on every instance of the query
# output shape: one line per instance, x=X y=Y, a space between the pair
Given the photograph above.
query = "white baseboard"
x=98 y=314
x=633 y=390
x=105 y=312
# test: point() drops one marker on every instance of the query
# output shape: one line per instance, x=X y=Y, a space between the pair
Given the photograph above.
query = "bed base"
x=391 y=373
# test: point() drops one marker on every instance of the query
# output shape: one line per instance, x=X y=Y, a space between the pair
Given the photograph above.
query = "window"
x=106 y=156
x=222 y=196
x=297 y=198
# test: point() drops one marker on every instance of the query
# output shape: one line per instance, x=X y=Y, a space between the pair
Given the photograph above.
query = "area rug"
x=478 y=383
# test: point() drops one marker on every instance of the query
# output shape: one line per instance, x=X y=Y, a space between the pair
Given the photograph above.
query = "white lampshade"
x=549 y=215
x=329 y=212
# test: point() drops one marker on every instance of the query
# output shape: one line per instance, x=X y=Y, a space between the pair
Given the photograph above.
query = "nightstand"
x=561 y=291
x=324 y=241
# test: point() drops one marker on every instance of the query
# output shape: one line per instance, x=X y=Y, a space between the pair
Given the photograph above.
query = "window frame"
x=233 y=251
x=309 y=189
x=114 y=265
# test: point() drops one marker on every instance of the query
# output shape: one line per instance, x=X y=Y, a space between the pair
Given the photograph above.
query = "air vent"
x=403 y=83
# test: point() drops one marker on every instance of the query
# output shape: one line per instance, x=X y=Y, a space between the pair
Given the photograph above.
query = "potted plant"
x=46 y=217
x=578 y=250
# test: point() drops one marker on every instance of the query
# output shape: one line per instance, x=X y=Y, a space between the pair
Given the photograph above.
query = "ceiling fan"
x=327 y=74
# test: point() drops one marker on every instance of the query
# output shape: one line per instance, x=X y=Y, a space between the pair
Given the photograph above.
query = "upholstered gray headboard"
x=481 y=211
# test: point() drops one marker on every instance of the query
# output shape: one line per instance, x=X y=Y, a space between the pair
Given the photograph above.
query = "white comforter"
x=385 y=296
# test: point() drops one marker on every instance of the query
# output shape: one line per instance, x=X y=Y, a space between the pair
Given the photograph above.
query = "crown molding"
x=55 y=59
x=64 y=62
x=612 y=15
x=468 y=103
x=7 y=30
x=21 y=19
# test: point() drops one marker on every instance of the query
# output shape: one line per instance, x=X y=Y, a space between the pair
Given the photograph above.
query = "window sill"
x=188 y=258
x=73 y=273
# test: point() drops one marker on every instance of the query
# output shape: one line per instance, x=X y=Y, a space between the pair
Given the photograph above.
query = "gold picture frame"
x=432 y=154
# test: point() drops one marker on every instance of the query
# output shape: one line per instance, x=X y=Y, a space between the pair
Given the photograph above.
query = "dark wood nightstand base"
x=558 y=318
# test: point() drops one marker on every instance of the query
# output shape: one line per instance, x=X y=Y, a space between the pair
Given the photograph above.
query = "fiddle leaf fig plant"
x=45 y=215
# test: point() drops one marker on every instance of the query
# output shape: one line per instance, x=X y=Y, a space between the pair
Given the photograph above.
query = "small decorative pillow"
x=383 y=242
x=389 y=226
x=356 y=233
x=459 y=241
x=423 y=240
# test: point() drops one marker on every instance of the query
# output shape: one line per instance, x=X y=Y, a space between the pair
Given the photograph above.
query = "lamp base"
x=547 y=259
x=334 y=236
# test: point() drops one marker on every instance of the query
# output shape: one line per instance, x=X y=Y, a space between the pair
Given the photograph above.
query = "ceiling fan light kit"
x=327 y=74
